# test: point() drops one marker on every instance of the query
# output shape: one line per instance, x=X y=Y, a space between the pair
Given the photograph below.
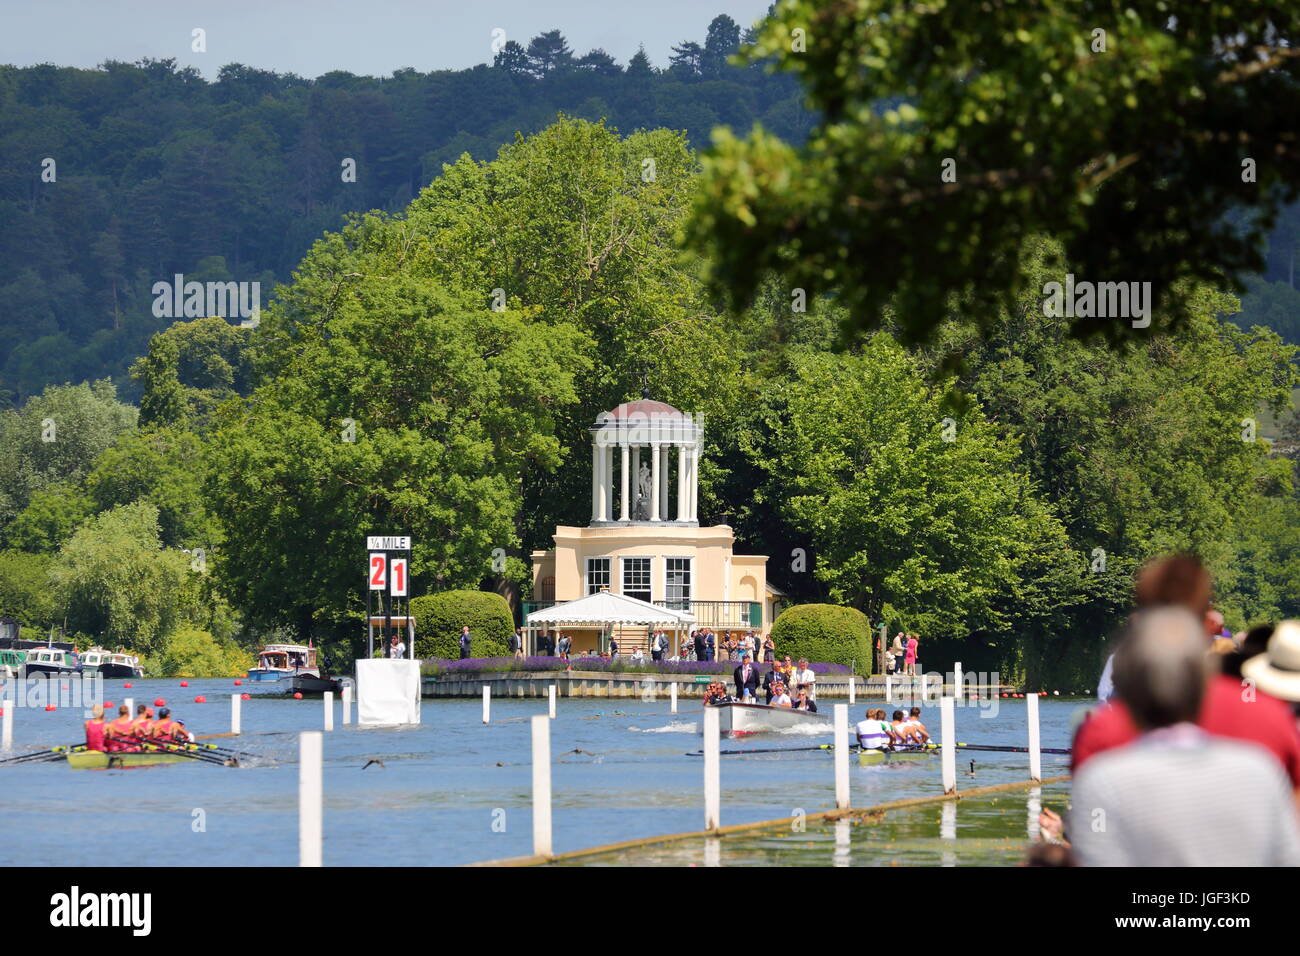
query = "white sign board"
x=402 y=543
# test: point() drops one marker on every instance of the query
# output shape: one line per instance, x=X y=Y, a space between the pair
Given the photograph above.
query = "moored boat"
x=305 y=683
x=737 y=718
x=872 y=758
x=277 y=662
x=51 y=661
x=111 y=665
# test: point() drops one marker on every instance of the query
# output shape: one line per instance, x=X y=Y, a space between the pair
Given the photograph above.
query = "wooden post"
x=309 y=798
x=347 y=704
x=712 y=783
x=672 y=697
x=841 y=756
x=7 y=737
x=328 y=697
x=551 y=692
x=541 y=785
x=1035 y=754
x=948 y=734
x=235 y=701
x=487 y=703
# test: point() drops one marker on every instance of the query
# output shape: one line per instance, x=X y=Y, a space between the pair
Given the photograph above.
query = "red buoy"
x=49 y=707
x=127 y=684
x=200 y=700
x=245 y=697
x=185 y=683
x=238 y=682
x=159 y=702
x=108 y=705
x=297 y=696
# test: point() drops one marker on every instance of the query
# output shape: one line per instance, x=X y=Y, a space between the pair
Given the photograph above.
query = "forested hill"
x=157 y=171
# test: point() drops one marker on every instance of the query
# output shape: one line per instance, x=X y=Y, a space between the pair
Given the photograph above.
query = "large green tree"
x=390 y=406
x=951 y=133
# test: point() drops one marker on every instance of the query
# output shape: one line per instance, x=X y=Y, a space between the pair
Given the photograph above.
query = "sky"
x=371 y=37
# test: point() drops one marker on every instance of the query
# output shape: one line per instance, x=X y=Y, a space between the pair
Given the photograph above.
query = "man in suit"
x=746 y=677
x=709 y=645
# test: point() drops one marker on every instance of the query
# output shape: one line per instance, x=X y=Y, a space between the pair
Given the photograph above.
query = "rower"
x=142 y=726
x=874 y=733
x=167 y=729
x=118 y=735
x=901 y=729
x=95 y=728
x=918 y=729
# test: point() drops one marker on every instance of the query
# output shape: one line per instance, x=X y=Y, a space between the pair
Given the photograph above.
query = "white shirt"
x=805 y=676
x=872 y=734
x=398 y=652
x=782 y=701
x=1179 y=797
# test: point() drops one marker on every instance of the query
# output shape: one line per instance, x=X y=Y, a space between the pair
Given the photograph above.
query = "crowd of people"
x=1192 y=757
x=127 y=734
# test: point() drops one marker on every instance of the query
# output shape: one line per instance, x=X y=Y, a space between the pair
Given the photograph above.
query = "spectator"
x=658 y=645
x=804 y=677
x=464 y=642
x=1160 y=802
x=565 y=646
x=396 y=648
x=746 y=678
x=710 y=646
x=517 y=643
x=769 y=649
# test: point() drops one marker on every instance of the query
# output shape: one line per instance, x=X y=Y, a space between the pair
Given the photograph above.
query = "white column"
x=541 y=785
x=329 y=709
x=1035 y=754
x=623 y=484
x=487 y=703
x=309 y=798
x=672 y=698
x=7 y=735
x=347 y=703
x=841 y=756
x=712 y=783
x=655 y=481
x=956 y=681
x=665 y=466
x=595 y=481
x=550 y=693
x=234 y=714
x=695 y=483
x=948 y=737
x=681 y=483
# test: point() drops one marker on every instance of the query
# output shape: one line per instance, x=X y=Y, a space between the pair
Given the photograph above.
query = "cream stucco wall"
x=716 y=573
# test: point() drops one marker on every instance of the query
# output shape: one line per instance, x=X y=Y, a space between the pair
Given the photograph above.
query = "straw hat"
x=1277 y=672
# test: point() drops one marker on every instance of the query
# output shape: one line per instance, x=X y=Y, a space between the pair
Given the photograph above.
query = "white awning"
x=607 y=608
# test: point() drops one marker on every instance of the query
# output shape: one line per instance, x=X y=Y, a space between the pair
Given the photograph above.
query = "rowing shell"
x=871 y=758
x=98 y=760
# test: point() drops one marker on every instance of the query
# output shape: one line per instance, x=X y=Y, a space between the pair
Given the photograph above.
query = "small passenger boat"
x=114 y=665
x=737 y=718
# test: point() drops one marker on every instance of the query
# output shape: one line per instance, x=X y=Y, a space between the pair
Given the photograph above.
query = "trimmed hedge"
x=439 y=618
x=824 y=632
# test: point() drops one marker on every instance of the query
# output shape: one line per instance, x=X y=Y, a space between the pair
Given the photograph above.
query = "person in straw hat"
x=1277 y=671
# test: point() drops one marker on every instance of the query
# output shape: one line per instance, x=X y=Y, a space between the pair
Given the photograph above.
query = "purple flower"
x=478 y=665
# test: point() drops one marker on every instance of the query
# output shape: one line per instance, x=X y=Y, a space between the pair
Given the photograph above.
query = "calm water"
x=443 y=783
x=990 y=830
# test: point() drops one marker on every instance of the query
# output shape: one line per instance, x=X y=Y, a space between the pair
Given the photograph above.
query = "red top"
x=1265 y=721
x=95 y=734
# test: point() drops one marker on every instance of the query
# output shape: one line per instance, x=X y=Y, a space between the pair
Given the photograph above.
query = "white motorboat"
x=737 y=718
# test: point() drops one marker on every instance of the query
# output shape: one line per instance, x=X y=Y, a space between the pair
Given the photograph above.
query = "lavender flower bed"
x=478 y=665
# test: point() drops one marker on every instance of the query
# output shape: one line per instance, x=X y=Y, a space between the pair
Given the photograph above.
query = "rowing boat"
x=98 y=760
x=871 y=758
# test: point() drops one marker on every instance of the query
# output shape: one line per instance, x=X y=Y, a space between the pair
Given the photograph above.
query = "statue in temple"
x=643 y=493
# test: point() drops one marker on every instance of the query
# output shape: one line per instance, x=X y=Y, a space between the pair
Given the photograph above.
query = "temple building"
x=645 y=541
